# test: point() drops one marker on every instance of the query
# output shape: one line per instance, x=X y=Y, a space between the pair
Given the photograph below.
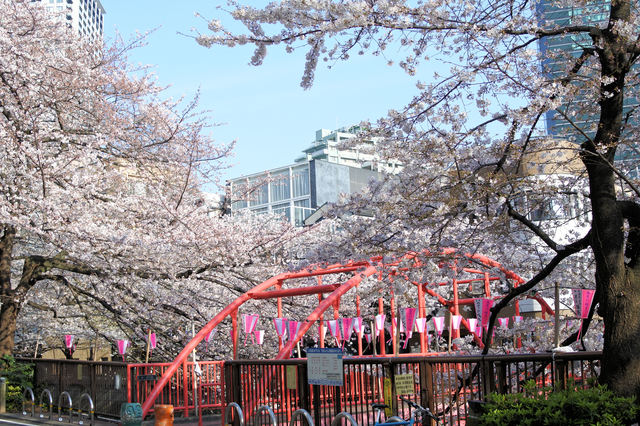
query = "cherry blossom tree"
x=104 y=229
x=479 y=173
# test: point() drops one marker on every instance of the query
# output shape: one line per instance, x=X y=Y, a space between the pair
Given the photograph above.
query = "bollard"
x=3 y=394
x=131 y=414
x=164 y=415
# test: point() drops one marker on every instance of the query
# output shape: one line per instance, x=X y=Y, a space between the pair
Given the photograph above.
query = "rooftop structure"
x=329 y=169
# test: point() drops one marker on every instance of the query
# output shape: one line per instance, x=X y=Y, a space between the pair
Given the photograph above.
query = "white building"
x=84 y=17
x=329 y=146
x=327 y=170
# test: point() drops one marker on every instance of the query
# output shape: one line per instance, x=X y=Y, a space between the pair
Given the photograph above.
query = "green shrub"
x=19 y=376
x=594 y=406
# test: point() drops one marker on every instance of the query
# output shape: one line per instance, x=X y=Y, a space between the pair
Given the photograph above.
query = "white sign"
x=324 y=366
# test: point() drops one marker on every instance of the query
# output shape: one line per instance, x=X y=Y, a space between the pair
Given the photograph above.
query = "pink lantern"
x=421 y=324
x=68 y=342
x=294 y=327
x=368 y=337
x=249 y=321
x=281 y=326
x=334 y=329
x=259 y=336
x=473 y=323
x=122 y=348
x=347 y=327
x=582 y=299
x=517 y=319
x=438 y=322
x=504 y=322
x=483 y=310
x=410 y=318
x=358 y=326
x=380 y=322
x=152 y=342
x=455 y=321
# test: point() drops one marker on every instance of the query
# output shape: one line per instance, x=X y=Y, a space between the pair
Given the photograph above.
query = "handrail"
x=32 y=400
x=272 y=416
x=235 y=406
x=301 y=412
x=42 y=394
x=62 y=395
x=343 y=415
x=91 y=408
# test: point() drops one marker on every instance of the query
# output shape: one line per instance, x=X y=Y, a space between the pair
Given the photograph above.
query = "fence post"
x=502 y=378
x=426 y=385
x=561 y=374
x=316 y=405
x=488 y=377
x=303 y=390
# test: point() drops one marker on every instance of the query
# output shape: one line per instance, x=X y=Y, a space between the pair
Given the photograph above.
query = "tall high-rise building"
x=85 y=17
x=579 y=116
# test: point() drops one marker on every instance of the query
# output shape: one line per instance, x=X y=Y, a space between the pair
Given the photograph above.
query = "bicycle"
x=417 y=410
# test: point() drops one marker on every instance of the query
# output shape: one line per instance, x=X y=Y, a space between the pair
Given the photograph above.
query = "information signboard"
x=324 y=366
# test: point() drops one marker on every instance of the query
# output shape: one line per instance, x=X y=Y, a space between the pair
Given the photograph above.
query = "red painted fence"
x=180 y=390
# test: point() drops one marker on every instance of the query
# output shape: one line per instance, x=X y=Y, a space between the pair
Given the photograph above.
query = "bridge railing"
x=442 y=383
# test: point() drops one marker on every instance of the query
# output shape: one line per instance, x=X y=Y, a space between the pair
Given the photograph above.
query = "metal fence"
x=105 y=382
x=180 y=389
x=445 y=384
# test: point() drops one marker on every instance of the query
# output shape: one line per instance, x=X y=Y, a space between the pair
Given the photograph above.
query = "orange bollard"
x=164 y=415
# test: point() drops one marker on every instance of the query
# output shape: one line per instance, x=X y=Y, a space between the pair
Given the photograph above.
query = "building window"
x=258 y=194
x=282 y=209
x=300 y=181
x=301 y=210
x=280 y=186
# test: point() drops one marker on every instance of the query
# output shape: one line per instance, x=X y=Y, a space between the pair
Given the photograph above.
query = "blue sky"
x=263 y=108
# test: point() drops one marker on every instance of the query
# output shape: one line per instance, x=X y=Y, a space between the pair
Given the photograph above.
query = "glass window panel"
x=284 y=209
x=258 y=194
x=280 y=186
x=300 y=181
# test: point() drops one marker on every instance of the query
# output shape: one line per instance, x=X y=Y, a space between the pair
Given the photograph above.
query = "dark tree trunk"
x=618 y=287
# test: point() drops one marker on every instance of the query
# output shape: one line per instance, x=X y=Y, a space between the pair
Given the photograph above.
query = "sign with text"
x=404 y=384
x=324 y=366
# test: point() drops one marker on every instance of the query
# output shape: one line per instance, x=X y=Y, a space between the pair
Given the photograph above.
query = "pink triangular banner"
x=334 y=329
x=421 y=323
x=347 y=327
x=504 y=322
x=409 y=318
x=281 y=326
x=487 y=304
x=294 y=327
x=438 y=323
x=473 y=322
x=455 y=321
x=358 y=326
x=68 y=341
x=250 y=321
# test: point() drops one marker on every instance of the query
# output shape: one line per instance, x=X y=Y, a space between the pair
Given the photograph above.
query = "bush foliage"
x=19 y=376
x=593 y=406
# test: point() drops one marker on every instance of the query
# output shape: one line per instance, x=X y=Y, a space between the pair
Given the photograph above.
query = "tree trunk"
x=8 y=315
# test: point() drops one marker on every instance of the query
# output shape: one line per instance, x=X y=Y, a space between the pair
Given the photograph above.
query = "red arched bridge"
x=466 y=271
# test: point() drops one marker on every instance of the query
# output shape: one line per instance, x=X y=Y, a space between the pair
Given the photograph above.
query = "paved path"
x=14 y=419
